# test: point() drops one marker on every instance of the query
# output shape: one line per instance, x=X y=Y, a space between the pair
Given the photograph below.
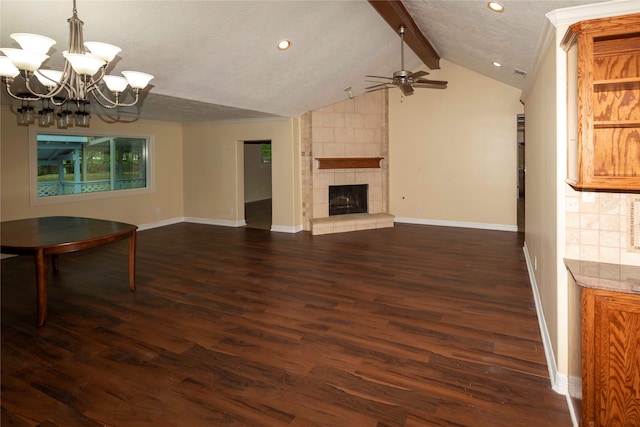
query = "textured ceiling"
x=217 y=60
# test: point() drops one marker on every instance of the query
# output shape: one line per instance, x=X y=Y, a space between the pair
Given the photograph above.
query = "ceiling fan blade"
x=378 y=85
x=419 y=74
x=406 y=89
x=376 y=89
x=380 y=77
x=431 y=82
x=428 y=86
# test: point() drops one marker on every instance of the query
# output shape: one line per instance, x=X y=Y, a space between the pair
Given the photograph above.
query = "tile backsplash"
x=600 y=227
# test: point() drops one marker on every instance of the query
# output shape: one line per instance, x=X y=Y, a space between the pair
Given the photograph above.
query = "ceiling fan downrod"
x=401 y=47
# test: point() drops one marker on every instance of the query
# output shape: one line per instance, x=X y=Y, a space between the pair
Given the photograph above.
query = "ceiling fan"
x=405 y=80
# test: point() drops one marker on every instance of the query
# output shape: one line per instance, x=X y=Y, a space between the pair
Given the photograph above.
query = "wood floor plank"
x=406 y=326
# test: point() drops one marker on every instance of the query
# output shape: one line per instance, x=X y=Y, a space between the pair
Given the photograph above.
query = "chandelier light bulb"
x=33 y=42
x=136 y=79
x=48 y=78
x=24 y=60
x=84 y=64
x=104 y=51
x=7 y=69
x=116 y=84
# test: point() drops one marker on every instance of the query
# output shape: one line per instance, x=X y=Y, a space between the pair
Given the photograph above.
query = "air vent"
x=520 y=73
x=634 y=225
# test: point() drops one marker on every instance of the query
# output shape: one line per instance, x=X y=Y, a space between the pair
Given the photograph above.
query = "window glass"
x=77 y=164
x=265 y=150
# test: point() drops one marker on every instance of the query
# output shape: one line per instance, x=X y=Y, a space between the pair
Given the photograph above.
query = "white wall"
x=453 y=152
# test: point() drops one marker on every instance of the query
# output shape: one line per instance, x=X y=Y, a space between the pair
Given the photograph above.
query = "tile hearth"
x=350 y=222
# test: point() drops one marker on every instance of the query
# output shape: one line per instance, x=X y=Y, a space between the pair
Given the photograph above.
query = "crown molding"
x=570 y=15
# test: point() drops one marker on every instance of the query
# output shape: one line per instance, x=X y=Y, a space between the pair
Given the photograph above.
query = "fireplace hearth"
x=348 y=199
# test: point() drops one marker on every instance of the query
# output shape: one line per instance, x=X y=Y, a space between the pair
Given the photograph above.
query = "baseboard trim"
x=572 y=412
x=221 y=222
x=298 y=228
x=559 y=382
x=286 y=229
x=162 y=223
x=461 y=224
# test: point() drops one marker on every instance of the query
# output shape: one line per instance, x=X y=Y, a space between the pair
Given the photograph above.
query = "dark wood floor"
x=258 y=214
x=406 y=326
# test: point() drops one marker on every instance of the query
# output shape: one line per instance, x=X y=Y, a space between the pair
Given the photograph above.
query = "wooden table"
x=47 y=237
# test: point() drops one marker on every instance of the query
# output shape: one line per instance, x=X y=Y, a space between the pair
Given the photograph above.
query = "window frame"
x=70 y=198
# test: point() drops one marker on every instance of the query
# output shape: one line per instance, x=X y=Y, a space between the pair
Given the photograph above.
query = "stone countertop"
x=609 y=277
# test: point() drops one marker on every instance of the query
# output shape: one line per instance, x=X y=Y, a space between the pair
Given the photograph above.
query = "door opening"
x=257 y=184
x=521 y=174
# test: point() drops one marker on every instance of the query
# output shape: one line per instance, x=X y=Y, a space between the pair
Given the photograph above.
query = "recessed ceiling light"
x=496 y=64
x=284 y=44
x=495 y=6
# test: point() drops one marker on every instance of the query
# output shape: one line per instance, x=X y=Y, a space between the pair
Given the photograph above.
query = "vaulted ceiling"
x=217 y=60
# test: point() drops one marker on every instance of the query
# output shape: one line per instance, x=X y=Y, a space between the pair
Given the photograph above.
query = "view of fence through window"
x=74 y=164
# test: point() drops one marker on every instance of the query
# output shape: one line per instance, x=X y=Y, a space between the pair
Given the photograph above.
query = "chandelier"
x=84 y=73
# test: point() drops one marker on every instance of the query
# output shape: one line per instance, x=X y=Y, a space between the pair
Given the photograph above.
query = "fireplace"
x=348 y=199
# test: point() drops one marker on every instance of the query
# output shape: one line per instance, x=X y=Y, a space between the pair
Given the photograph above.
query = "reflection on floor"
x=258 y=214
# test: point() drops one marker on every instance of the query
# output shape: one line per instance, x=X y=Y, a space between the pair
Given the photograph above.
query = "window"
x=265 y=150
x=70 y=166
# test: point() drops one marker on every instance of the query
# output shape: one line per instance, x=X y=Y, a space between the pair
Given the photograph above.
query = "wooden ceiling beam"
x=396 y=15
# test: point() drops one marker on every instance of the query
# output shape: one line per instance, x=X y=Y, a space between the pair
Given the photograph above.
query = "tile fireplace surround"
x=351 y=137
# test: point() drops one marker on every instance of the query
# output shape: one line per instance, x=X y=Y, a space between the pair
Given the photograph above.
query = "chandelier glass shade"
x=84 y=74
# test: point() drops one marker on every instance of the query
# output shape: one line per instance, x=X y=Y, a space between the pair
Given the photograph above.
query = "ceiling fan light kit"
x=84 y=73
x=403 y=79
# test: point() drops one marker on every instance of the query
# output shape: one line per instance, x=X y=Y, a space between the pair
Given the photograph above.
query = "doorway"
x=521 y=173
x=257 y=184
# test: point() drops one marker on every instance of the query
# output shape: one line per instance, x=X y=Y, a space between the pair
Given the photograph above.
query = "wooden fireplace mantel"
x=348 y=162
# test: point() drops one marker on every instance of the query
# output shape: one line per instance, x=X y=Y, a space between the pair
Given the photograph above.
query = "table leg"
x=42 y=271
x=132 y=261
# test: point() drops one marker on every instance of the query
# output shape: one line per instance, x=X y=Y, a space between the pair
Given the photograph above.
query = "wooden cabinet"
x=603 y=94
x=610 y=358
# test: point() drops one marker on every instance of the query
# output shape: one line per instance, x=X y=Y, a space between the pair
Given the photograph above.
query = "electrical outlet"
x=157 y=211
x=419 y=209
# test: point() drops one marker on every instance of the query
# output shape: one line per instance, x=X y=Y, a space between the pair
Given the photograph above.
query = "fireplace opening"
x=348 y=199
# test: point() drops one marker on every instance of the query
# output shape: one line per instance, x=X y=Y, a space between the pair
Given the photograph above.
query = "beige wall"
x=214 y=176
x=139 y=209
x=452 y=152
x=541 y=212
